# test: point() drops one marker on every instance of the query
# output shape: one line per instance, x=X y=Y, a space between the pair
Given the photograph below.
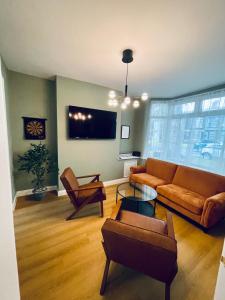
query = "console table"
x=128 y=161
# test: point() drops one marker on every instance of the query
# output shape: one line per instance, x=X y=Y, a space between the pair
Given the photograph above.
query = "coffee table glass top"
x=135 y=197
x=140 y=192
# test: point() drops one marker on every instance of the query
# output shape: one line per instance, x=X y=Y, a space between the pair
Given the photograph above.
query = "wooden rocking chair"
x=81 y=195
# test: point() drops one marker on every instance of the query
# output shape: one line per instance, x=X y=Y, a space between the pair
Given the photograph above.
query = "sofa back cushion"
x=198 y=181
x=161 y=169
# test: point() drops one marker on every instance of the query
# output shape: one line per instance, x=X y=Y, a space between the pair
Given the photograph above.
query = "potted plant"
x=39 y=162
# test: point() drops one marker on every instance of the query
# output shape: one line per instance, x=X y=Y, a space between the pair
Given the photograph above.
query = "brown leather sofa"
x=142 y=243
x=197 y=194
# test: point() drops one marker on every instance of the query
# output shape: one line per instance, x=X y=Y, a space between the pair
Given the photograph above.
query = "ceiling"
x=179 y=45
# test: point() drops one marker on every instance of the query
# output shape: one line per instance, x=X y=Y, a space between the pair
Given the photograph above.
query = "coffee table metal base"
x=132 y=203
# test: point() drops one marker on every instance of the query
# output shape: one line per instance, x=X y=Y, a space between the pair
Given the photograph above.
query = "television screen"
x=87 y=123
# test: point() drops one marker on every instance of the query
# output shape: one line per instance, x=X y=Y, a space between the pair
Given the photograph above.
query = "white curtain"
x=189 y=131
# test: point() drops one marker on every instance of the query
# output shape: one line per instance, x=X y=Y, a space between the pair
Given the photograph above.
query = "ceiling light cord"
x=126 y=86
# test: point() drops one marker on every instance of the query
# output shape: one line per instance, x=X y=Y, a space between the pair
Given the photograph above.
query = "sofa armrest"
x=213 y=210
x=218 y=198
x=137 y=169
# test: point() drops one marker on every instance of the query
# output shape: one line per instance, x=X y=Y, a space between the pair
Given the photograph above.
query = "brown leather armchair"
x=81 y=195
x=142 y=243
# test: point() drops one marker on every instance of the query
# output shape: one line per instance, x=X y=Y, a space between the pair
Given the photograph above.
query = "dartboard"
x=34 y=128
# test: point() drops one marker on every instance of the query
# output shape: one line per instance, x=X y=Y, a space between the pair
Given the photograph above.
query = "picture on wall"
x=125 y=132
x=34 y=128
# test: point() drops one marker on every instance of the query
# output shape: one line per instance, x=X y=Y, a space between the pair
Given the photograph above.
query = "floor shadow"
x=217 y=230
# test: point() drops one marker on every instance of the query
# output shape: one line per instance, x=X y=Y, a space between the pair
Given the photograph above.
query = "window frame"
x=194 y=132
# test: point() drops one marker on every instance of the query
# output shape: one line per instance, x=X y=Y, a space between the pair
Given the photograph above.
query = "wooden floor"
x=64 y=260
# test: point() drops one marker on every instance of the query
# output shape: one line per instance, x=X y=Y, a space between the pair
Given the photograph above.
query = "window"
x=213 y=104
x=189 y=131
x=184 y=108
x=160 y=110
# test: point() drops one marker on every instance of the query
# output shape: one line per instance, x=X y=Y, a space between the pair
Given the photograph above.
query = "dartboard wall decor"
x=34 y=128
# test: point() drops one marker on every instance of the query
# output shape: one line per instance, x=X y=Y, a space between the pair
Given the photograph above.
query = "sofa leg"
x=104 y=279
x=167 y=291
x=205 y=230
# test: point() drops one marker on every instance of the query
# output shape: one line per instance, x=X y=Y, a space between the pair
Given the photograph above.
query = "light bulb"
x=136 y=104
x=123 y=105
x=83 y=118
x=89 y=116
x=110 y=102
x=112 y=94
x=115 y=102
x=70 y=115
x=127 y=100
x=76 y=117
x=144 y=96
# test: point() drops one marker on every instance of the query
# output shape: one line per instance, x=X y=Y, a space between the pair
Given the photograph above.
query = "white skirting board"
x=63 y=192
x=29 y=192
x=106 y=183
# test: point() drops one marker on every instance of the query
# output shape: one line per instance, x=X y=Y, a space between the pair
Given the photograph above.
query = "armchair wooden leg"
x=167 y=291
x=72 y=215
x=77 y=209
x=101 y=209
x=104 y=278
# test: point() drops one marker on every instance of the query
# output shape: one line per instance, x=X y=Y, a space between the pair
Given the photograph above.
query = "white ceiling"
x=179 y=45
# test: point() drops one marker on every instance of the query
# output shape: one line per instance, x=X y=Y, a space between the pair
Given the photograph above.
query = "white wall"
x=9 y=286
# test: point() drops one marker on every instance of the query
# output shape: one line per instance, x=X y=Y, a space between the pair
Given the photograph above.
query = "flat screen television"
x=87 y=123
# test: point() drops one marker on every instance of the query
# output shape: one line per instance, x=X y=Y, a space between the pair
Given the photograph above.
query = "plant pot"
x=39 y=194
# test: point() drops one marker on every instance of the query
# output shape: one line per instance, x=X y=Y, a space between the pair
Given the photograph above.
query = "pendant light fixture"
x=125 y=100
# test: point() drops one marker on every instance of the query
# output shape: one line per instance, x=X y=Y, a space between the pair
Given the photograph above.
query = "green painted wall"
x=32 y=97
x=137 y=119
x=35 y=97
x=140 y=130
x=128 y=118
x=86 y=156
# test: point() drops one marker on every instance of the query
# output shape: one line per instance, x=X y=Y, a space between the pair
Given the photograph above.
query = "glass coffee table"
x=137 y=197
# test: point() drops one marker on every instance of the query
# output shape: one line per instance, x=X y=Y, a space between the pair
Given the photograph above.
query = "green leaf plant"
x=39 y=162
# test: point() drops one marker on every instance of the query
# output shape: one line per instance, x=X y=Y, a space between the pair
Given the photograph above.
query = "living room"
x=112 y=120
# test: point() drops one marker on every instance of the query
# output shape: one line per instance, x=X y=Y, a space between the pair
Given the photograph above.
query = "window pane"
x=222 y=103
x=184 y=108
x=213 y=104
x=156 y=137
x=159 y=109
x=198 y=122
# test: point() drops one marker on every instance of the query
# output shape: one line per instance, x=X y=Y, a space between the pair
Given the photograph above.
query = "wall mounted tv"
x=87 y=123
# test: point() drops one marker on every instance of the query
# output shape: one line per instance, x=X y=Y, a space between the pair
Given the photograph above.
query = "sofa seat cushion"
x=189 y=200
x=96 y=192
x=147 y=179
x=137 y=220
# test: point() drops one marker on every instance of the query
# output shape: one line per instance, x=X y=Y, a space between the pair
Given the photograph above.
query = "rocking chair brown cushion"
x=81 y=195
